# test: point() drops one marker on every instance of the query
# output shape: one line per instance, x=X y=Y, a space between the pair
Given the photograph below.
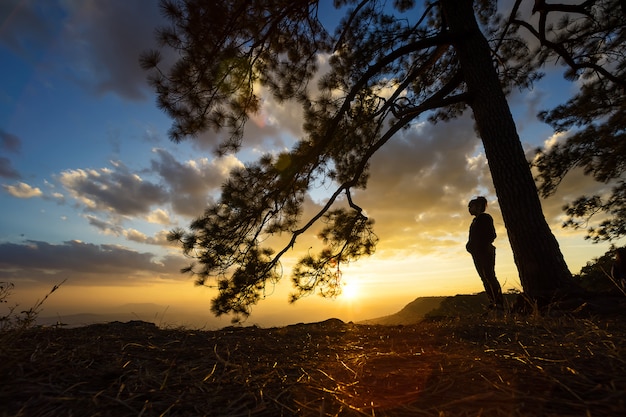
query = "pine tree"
x=446 y=57
x=595 y=118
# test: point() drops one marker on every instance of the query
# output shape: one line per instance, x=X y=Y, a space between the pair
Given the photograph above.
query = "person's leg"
x=491 y=279
x=485 y=264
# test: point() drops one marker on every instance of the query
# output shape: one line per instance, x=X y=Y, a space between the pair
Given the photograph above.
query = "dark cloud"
x=120 y=192
x=98 y=43
x=27 y=23
x=133 y=235
x=84 y=263
x=9 y=142
x=7 y=170
x=108 y=38
x=104 y=226
x=191 y=183
x=115 y=190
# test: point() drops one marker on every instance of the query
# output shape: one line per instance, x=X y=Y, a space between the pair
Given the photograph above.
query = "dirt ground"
x=475 y=366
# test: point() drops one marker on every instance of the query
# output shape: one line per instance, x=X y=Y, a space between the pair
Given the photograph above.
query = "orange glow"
x=350 y=290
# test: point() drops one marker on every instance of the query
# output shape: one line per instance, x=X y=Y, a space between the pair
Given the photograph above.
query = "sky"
x=90 y=183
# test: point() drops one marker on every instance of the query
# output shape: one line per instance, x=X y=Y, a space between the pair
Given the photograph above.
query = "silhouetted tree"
x=596 y=277
x=437 y=59
x=595 y=34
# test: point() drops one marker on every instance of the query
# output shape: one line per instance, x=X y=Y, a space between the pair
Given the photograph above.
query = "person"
x=480 y=246
x=618 y=270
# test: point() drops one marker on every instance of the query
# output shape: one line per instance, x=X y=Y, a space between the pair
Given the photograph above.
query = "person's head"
x=477 y=206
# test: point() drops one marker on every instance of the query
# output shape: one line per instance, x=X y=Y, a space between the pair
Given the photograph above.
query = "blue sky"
x=89 y=182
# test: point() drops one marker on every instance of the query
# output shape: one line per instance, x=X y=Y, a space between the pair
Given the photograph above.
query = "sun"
x=350 y=290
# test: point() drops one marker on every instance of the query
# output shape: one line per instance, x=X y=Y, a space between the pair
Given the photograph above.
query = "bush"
x=596 y=275
x=24 y=319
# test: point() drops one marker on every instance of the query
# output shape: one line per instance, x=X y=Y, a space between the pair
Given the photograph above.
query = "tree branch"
x=543 y=8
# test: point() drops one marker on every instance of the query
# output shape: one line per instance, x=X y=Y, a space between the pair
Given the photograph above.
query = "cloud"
x=105 y=40
x=7 y=170
x=274 y=128
x=123 y=194
x=84 y=264
x=159 y=216
x=117 y=191
x=159 y=239
x=190 y=183
x=22 y=190
x=105 y=227
x=575 y=184
x=9 y=142
x=131 y=234
x=148 y=194
x=419 y=186
x=26 y=23
x=96 y=43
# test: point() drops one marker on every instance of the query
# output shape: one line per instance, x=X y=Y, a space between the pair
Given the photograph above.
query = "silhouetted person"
x=618 y=270
x=480 y=245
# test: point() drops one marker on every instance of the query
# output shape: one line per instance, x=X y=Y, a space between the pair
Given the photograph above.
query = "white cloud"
x=159 y=239
x=558 y=137
x=22 y=190
x=159 y=216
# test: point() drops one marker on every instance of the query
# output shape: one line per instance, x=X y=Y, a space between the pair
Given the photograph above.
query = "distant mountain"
x=412 y=313
x=81 y=319
x=434 y=307
x=135 y=311
x=151 y=307
x=149 y=312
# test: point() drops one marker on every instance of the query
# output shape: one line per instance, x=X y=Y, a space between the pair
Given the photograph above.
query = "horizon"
x=163 y=317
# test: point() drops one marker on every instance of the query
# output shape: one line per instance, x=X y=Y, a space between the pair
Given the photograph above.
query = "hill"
x=437 y=307
x=412 y=313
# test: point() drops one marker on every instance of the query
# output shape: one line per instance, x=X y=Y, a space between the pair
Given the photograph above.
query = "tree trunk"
x=542 y=269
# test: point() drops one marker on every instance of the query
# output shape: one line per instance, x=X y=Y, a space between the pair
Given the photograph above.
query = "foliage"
x=227 y=48
x=388 y=68
x=5 y=291
x=14 y=324
x=595 y=276
x=595 y=117
x=24 y=319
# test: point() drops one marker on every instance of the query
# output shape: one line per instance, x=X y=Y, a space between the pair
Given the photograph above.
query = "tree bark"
x=542 y=269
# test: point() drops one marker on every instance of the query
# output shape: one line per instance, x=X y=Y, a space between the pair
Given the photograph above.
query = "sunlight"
x=350 y=290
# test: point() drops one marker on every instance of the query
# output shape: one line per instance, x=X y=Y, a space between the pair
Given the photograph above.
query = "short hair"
x=482 y=201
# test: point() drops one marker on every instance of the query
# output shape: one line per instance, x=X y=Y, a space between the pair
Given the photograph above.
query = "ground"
x=472 y=366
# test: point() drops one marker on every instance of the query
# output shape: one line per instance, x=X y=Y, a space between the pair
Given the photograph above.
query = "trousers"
x=485 y=262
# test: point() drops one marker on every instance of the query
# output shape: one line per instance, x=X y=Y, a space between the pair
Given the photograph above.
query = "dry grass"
x=560 y=366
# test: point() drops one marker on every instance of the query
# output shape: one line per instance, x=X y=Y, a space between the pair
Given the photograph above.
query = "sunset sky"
x=90 y=183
